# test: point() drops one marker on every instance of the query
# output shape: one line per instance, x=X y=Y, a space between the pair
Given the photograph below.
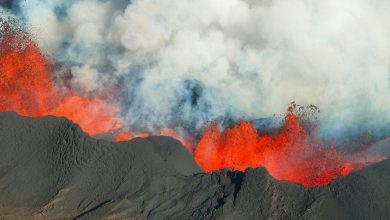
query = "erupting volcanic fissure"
x=27 y=87
x=293 y=153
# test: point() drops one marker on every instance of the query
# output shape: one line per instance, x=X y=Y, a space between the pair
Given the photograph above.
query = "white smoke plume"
x=191 y=61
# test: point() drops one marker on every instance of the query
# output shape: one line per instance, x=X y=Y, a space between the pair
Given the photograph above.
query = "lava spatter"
x=27 y=87
x=294 y=153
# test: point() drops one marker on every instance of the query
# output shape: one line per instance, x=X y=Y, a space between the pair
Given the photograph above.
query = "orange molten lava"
x=25 y=83
x=186 y=142
x=26 y=87
x=126 y=136
x=292 y=154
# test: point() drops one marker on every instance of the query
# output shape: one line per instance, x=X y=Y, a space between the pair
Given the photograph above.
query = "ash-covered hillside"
x=50 y=169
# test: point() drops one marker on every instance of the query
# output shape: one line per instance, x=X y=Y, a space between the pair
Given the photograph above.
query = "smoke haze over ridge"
x=190 y=62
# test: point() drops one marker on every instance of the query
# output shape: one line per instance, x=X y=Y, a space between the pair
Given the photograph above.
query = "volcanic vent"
x=293 y=152
x=72 y=176
x=94 y=106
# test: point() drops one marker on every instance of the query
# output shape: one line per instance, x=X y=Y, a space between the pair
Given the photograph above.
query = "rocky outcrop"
x=50 y=169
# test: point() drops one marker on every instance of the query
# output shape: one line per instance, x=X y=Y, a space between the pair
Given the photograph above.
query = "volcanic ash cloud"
x=189 y=62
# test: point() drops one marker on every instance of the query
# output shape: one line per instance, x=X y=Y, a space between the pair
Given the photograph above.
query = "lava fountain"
x=293 y=153
x=27 y=86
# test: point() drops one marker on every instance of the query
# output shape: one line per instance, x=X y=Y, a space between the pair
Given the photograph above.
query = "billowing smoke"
x=184 y=63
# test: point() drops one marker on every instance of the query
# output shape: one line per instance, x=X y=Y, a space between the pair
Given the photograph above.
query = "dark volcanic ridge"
x=50 y=169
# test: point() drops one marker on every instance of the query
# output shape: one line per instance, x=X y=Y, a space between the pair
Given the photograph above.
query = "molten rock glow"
x=294 y=153
x=186 y=142
x=198 y=61
x=27 y=87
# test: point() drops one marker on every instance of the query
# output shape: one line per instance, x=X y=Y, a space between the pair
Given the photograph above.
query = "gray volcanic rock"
x=50 y=169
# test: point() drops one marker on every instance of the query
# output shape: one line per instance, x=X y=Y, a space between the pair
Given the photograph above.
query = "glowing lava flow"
x=292 y=154
x=26 y=87
x=126 y=136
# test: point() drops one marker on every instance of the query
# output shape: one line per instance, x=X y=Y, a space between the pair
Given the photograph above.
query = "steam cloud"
x=191 y=61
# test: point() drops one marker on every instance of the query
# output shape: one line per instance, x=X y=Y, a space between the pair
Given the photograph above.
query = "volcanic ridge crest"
x=50 y=169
